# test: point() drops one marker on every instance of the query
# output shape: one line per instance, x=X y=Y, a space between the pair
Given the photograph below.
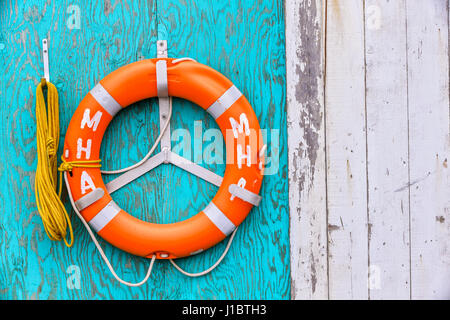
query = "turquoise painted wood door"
x=244 y=40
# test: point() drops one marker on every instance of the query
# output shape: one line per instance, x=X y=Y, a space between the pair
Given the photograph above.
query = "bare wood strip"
x=306 y=143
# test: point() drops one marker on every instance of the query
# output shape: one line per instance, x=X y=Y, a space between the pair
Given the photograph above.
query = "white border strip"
x=224 y=102
x=105 y=99
x=104 y=216
x=220 y=220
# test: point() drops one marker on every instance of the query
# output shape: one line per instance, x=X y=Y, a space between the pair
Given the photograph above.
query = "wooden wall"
x=362 y=87
x=243 y=39
x=369 y=143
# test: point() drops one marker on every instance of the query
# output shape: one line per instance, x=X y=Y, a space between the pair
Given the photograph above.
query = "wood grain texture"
x=229 y=38
x=387 y=141
x=387 y=149
x=346 y=151
x=305 y=55
x=386 y=133
x=369 y=209
x=429 y=145
x=257 y=265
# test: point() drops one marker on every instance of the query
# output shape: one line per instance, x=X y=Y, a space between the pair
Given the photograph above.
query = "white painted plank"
x=387 y=149
x=306 y=143
x=429 y=144
x=346 y=151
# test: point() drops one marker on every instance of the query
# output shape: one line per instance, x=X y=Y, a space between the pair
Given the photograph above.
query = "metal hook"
x=45 y=58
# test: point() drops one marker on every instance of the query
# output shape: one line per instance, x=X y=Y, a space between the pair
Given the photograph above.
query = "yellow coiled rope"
x=51 y=209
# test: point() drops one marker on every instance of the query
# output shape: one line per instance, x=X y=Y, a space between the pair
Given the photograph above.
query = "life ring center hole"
x=167 y=193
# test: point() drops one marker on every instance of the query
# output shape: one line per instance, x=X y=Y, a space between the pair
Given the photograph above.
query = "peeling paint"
x=309 y=72
x=333 y=227
x=440 y=219
x=313 y=273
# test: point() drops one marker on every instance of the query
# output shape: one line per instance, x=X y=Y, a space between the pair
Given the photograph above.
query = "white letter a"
x=86 y=182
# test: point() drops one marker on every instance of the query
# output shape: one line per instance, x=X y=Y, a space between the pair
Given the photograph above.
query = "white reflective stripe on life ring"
x=104 y=216
x=219 y=219
x=105 y=99
x=225 y=101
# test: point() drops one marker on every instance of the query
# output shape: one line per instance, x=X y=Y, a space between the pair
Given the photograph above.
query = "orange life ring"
x=238 y=123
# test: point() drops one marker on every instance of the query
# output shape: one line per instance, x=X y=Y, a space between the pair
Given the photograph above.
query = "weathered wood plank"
x=387 y=149
x=305 y=53
x=346 y=151
x=429 y=147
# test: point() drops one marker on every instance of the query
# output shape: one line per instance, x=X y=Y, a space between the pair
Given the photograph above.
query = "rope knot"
x=69 y=165
x=51 y=150
x=65 y=166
